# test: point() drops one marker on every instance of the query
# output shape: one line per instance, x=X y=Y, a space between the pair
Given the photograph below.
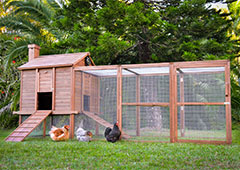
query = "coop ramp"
x=103 y=122
x=28 y=126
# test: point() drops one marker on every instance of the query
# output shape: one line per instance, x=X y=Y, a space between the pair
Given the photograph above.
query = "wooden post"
x=228 y=104
x=71 y=126
x=119 y=97
x=36 y=89
x=44 y=127
x=138 y=119
x=182 y=112
x=21 y=91
x=53 y=88
x=173 y=103
x=98 y=105
x=20 y=120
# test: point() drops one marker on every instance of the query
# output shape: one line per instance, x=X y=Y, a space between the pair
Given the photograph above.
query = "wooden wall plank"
x=28 y=82
x=63 y=89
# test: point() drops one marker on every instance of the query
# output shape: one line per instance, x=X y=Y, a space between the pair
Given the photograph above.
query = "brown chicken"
x=59 y=134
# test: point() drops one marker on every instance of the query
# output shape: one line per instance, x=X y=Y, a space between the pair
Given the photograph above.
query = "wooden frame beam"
x=228 y=106
x=119 y=97
x=138 y=118
x=146 y=104
x=182 y=110
x=173 y=103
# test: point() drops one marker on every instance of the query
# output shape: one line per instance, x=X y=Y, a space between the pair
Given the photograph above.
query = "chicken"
x=59 y=134
x=112 y=135
x=83 y=135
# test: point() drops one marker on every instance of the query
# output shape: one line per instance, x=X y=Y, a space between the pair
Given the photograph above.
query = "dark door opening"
x=45 y=101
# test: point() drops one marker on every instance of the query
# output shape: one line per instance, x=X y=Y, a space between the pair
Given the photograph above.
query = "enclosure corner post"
x=173 y=103
x=228 y=103
x=119 y=96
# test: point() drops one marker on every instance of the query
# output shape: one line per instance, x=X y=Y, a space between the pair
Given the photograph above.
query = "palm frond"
x=20 y=24
x=36 y=9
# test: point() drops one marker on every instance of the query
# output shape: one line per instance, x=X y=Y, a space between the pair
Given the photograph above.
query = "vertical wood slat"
x=138 y=107
x=36 y=89
x=82 y=91
x=182 y=112
x=228 y=105
x=119 y=97
x=173 y=103
x=21 y=91
x=72 y=89
x=53 y=88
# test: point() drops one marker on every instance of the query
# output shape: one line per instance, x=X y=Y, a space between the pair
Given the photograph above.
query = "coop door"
x=45 y=101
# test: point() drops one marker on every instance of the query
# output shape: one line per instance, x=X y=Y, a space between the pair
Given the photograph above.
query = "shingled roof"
x=57 y=60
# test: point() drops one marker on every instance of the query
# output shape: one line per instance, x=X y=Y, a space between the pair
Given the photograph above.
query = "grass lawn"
x=38 y=153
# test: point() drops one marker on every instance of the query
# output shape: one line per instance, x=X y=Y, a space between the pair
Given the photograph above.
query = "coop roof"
x=56 y=60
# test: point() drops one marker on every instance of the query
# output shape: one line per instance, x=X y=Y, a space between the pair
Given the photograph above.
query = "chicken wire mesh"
x=108 y=99
x=149 y=124
x=205 y=87
x=146 y=123
x=202 y=122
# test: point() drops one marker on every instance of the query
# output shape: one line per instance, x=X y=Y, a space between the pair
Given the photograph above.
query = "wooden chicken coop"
x=164 y=102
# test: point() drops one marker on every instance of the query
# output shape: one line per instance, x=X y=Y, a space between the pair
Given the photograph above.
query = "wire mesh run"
x=202 y=122
x=201 y=87
x=146 y=123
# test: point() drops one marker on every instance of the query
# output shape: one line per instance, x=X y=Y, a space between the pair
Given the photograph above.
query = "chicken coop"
x=162 y=102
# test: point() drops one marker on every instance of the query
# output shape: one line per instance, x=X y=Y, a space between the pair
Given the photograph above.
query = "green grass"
x=38 y=153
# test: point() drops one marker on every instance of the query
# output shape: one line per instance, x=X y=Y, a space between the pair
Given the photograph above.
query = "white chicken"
x=83 y=135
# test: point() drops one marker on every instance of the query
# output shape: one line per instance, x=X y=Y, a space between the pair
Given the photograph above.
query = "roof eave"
x=50 y=66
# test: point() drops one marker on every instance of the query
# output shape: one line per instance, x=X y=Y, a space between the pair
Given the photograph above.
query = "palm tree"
x=23 y=22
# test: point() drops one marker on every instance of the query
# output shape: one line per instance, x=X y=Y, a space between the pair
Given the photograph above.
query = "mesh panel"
x=129 y=89
x=108 y=99
x=89 y=124
x=201 y=122
x=206 y=87
x=154 y=88
x=153 y=123
x=60 y=120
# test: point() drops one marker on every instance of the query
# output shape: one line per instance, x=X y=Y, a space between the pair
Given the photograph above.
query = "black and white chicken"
x=112 y=135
